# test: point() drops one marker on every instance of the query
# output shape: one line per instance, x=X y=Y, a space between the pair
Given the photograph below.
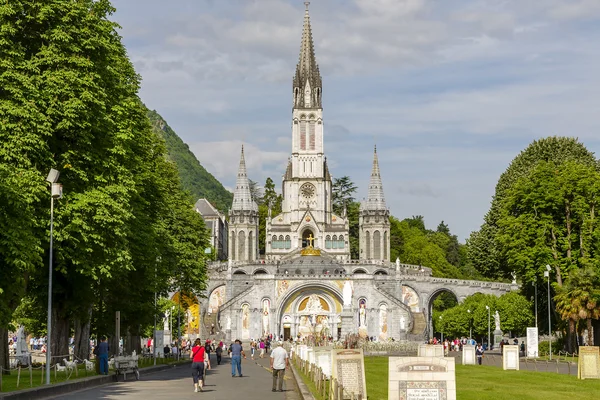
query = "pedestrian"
x=102 y=353
x=198 y=355
x=479 y=353
x=219 y=352
x=262 y=348
x=279 y=362
x=523 y=348
x=237 y=352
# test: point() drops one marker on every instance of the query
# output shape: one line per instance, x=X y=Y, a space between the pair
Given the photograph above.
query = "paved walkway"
x=176 y=383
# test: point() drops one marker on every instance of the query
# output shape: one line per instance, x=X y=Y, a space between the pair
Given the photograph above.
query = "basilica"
x=306 y=283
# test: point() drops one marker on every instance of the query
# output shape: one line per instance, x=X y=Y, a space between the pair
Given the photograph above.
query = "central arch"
x=312 y=307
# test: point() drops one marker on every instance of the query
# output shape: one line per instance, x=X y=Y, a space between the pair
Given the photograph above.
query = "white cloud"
x=451 y=91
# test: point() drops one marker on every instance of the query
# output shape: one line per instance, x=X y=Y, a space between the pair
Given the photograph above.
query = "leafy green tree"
x=485 y=251
x=342 y=193
x=270 y=199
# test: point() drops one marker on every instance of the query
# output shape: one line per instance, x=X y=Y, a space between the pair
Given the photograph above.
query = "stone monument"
x=468 y=355
x=510 y=357
x=532 y=342
x=323 y=359
x=430 y=350
x=422 y=378
x=349 y=369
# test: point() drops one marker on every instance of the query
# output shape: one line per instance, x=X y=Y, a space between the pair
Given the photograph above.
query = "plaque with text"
x=589 y=362
x=532 y=342
x=348 y=368
x=323 y=359
x=421 y=378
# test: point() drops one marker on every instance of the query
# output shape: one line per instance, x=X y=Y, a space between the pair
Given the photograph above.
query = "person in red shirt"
x=198 y=356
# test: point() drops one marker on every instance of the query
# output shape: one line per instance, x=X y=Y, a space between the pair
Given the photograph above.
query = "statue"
x=362 y=314
x=397 y=264
x=497 y=320
x=514 y=278
x=265 y=317
x=402 y=323
x=347 y=293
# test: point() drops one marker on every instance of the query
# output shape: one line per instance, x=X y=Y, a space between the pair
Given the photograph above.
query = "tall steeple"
x=307 y=83
x=242 y=197
x=376 y=199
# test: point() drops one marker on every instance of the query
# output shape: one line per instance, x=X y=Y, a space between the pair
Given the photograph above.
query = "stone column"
x=347 y=321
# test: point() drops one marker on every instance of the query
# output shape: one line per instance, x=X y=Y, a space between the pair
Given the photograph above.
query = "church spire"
x=376 y=199
x=307 y=81
x=242 y=197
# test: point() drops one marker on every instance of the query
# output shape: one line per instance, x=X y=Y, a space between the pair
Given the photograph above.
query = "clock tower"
x=306 y=188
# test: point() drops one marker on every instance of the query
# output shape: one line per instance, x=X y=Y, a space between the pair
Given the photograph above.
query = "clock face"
x=307 y=190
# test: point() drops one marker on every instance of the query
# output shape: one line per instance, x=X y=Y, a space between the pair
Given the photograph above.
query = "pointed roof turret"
x=307 y=81
x=242 y=197
x=376 y=199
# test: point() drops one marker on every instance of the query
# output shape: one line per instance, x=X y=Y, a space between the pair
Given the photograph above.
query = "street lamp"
x=547 y=275
x=442 y=328
x=470 y=327
x=489 y=346
x=55 y=192
x=535 y=286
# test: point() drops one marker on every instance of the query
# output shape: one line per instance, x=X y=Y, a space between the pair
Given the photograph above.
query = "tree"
x=485 y=251
x=342 y=193
x=70 y=102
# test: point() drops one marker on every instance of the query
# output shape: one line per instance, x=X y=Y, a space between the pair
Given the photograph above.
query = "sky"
x=450 y=91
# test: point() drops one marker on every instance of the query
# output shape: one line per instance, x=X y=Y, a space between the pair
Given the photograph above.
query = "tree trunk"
x=60 y=335
x=4 y=363
x=82 y=336
x=571 y=336
x=590 y=329
x=134 y=342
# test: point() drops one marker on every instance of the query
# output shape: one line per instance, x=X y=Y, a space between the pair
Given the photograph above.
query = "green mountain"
x=194 y=178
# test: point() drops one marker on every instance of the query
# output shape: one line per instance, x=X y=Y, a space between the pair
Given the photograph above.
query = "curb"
x=42 y=392
x=302 y=388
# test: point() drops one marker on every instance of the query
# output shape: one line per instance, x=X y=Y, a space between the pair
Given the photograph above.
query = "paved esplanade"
x=176 y=383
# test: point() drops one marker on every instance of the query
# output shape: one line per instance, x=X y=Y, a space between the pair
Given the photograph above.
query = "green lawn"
x=475 y=382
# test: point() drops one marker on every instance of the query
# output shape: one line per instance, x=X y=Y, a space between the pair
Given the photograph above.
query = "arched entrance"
x=312 y=312
x=440 y=300
x=308 y=238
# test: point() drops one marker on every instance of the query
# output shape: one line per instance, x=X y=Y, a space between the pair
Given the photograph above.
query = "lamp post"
x=489 y=344
x=470 y=327
x=547 y=275
x=55 y=192
x=442 y=329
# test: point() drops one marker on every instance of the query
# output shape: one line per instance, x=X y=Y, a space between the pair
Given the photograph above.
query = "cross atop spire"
x=376 y=199
x=242 y=197
x=307 y=83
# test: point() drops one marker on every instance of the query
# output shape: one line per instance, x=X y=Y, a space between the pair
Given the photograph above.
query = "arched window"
x=288 y=242
x=241 y=246
x=274 y=243
x=303 y=135
x=250 y=246
x=311 y=135
x=368 y=245
x=385 y=245
x=328 y=242
x=334 y=242
x=233 y=248
x=376 y=245
x=341 y=242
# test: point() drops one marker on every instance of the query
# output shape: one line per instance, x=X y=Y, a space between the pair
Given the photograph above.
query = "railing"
x=326 y=387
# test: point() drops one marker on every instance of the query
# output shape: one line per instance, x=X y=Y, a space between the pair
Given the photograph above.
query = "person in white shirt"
x=279 y=362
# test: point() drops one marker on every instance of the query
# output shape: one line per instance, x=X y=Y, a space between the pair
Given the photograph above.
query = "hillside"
x=194 y=178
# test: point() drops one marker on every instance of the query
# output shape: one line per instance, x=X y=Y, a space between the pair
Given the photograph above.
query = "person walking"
x=237 y=352
x=197 y=355
x=279 y=362
x=103 y=355
x=219 y=352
